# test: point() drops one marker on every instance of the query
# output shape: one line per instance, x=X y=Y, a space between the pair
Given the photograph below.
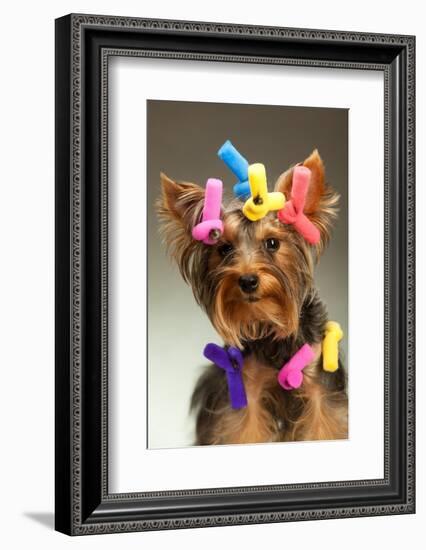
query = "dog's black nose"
x=248 y=283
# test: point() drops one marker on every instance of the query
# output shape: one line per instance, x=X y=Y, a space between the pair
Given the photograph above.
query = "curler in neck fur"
x=292 y=213
x=210 y=228
x=231 y=361
x=330 y=346
x=290 y=376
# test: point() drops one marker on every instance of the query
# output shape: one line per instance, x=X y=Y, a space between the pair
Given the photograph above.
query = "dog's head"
x=253 y=282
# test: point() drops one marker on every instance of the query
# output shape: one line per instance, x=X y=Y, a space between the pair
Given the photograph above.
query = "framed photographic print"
x=234 y=274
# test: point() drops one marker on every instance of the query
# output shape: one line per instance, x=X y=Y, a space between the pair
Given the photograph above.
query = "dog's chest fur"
x=314 y=411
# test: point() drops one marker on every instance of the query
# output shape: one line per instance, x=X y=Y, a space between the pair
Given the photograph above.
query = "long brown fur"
x=285 y=313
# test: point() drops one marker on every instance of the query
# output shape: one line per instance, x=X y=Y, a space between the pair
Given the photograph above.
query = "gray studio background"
x=183 y=138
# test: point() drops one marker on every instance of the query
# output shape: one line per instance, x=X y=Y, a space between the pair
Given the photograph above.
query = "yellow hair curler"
x=261 y=202
x=330 y=346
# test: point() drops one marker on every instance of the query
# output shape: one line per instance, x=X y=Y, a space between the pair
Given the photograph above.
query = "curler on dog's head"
x=292 y=213
x=239 y=166
x=210 y=228
x=261 y=202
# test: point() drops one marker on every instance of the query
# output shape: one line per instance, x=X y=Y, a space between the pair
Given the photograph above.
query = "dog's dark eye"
x=225 y=249
x=272 y=245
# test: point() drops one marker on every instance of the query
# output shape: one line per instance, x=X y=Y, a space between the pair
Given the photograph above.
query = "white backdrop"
x=26 y=224
x=359 y=457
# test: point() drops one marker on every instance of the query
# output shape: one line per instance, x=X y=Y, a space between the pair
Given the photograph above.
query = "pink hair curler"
x=290 y=376
x=210 y=228
x=292 y=213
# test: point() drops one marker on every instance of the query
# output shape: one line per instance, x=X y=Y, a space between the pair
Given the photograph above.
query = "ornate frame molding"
x=84 y=505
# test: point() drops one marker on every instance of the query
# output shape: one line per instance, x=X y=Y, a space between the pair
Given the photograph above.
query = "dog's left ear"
x=316 y=186
x=321 y=200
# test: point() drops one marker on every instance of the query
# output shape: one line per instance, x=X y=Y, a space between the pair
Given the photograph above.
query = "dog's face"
x=253 y=282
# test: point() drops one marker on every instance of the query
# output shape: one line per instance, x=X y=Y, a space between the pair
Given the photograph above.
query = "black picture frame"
x=83 y=45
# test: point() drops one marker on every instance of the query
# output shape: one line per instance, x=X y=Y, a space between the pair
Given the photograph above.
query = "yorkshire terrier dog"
x=256 y=286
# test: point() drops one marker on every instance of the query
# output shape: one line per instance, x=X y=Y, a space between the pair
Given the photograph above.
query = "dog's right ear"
x=180 y=208
x=182 y=201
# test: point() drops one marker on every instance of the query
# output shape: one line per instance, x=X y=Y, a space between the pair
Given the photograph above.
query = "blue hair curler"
x=239 y=166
